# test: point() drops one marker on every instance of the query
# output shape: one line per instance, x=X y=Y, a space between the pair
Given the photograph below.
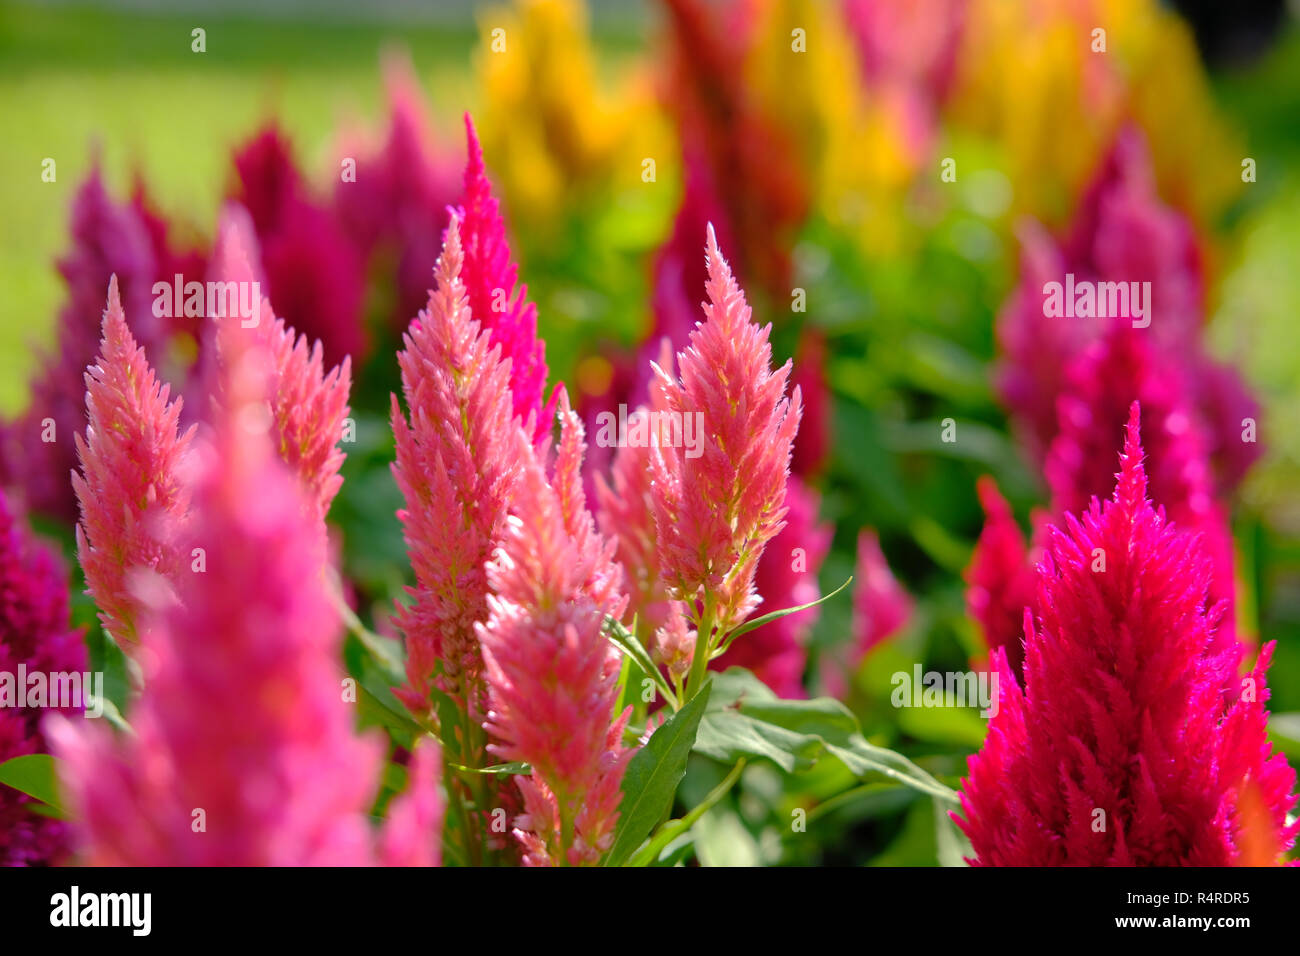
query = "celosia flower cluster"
x=1122 y=746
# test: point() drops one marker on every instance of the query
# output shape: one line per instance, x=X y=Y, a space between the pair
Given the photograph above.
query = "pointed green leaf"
x=653 y=775
x=766 y=618
x=36 y=776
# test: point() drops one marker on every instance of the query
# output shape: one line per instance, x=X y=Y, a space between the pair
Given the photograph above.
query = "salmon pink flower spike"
x=496 y=299
x=552 y=674
x=717 y=504
x=240 y=718
x=458 y=461
x=308 y=406
x=130 y=488
x=1124 y=747
x=35 y=631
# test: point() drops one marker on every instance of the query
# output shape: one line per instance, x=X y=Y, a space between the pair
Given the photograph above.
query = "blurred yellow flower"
x=550 y=137
x=1052 y=81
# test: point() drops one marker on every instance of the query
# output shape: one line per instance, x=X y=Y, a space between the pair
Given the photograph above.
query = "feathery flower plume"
x=278 y=778
x=458 y=460
x=308 y=406
x=1123 y=747
x=35 y=631
x=107 y=239
x=496 y=299
x=786 y=576
x=552 y=674
x=313 y=270
x=395 y=208
x=714 y=513
x=1001 y=580
x=130 y=487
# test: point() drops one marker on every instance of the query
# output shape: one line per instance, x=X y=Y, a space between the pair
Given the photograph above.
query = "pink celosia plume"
x=308 y=406
x=130 y=486
x=496 y=298
x=1123 y=746
x=458 y=459
x=551 y=671
x=715 y=512
x=35 y=632
x=880 y=604
x=243 y=751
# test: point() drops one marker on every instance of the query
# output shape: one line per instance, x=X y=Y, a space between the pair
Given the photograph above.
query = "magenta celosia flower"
x=812 y=449
x=1001 y=580
x=36 y=632
x=396 y=206
x=1123 y=746
x=243 y=751
x=107 y=239
x=308 y=406
x=1121 y=233
x=130 y=486
x=313 y=269
x=716 y=510
x=496 y=299
x=552 y=674
x=457 y=462
x=777 y=652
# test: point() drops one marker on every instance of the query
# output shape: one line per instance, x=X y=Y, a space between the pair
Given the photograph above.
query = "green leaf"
x=34 y=775
x=671 y=830
x=766 y=618
x=745 y=719
x=627 y=642
x=653 y=775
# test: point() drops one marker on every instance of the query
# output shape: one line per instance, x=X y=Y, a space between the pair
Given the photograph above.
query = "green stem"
x=671 y=830
x=703 y=648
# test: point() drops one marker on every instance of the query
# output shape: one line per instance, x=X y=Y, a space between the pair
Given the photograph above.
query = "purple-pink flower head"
x=308 y=406
x=107 y=239
x=1124 y=747
x=496 y=299
x=458 y=459
x=777 y=652
x=35 y=632
x=314 y=271
x=1122 y=234
x=243 y=751
x=552 y=674
x=130 y=486
x=720 y=497
x=396 y=206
